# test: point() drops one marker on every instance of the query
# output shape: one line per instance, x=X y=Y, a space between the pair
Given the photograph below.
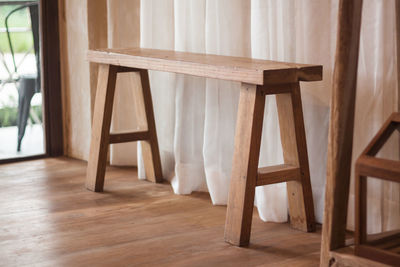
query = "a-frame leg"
x=290 y=112
x=101 y=137
x=101 y=127
x=150 y=150
x=245 y=165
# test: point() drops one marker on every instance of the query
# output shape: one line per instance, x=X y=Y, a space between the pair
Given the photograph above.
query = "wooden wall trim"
x=397 y=10
x=51 y=84
x=97 y=38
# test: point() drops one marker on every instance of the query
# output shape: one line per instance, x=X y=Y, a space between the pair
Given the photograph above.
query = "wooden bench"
x=258 y=78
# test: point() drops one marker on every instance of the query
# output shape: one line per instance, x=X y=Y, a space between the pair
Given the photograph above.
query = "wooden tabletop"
x=247 y=70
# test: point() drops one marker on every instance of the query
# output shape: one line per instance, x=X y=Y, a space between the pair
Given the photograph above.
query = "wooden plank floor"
x=48 y=218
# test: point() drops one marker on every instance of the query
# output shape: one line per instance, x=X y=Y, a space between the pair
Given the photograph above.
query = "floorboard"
x=48 y=218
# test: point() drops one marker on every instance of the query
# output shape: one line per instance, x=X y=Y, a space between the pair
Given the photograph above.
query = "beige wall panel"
x=75 y=77
x=124 y=31
x=78 y=77
x=97 y=32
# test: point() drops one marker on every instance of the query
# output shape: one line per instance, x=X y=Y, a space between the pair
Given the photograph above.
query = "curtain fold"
x=196 y=117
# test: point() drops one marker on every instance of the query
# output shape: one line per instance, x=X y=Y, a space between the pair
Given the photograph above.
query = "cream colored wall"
x=84 y=25
x=124 y=31
x=75 y=77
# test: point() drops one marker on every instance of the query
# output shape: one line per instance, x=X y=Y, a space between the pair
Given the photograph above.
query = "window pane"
x=21 y=120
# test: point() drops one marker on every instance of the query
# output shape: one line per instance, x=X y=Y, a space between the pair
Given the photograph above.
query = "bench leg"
x=150 y=150
x=245 y=165
x=290 y=112
x=101 y=127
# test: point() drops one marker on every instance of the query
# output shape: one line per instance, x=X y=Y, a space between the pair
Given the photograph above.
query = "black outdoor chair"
x=27 y=85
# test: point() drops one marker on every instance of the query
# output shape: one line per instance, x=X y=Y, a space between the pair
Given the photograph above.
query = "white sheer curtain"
x=196 y=117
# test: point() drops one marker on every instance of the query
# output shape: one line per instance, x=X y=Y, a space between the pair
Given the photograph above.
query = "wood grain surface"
x=340 y=140
x=48 y=218
x=101 y=127
x=294 y=146
x=344 y=257
x=247 y=70
x=245 y=165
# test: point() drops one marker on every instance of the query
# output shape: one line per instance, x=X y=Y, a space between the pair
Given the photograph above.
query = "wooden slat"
x=345 y=257
x=396 y=117
x=390 y=243
x=382 y=136
x=277 y=174
x=276 y=89
x=378 y=255
x=385 y=238
x=247 y=70
x=127 y=69
x=128 y=137
x=381 y=168
x=340 y=141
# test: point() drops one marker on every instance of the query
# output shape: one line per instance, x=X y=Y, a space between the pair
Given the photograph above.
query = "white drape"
x=196 y=117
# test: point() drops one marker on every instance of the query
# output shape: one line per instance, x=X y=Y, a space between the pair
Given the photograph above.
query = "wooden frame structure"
x=333 y=247
x=382 y=247
x=258 y=78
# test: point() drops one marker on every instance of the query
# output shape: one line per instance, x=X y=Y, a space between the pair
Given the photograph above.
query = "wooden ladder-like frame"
x=245 y=172
x=369 y=165
x=102 y=138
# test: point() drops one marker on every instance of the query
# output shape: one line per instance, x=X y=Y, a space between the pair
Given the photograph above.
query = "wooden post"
x=360 y=235
x=97 y=21
x=245 y=165
x=341 y=128
x=397 y=10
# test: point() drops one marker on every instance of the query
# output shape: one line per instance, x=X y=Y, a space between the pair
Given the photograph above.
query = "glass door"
x=21 y=111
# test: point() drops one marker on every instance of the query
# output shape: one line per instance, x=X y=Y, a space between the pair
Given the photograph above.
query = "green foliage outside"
x=22 y=41
x=9 y=115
